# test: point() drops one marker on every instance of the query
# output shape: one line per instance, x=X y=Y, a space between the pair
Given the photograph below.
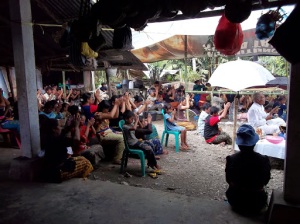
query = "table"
x=267 y=148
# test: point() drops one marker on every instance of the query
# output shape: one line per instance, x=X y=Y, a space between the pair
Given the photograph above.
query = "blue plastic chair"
x=127 y=151
x=168 y=132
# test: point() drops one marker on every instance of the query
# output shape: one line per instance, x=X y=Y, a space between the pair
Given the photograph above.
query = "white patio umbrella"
x=238 y=75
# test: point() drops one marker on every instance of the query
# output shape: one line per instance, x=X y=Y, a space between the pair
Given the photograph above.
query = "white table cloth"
x=267 y=148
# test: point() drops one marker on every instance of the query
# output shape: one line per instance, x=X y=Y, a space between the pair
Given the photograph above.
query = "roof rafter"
x=42 y=6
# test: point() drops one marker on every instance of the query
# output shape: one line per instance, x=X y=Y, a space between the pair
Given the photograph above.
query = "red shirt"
x=212 y=122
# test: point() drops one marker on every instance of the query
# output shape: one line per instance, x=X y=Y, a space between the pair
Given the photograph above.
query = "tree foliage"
x=277 y=65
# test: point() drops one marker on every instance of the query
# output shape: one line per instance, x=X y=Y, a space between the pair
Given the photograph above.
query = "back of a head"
x=268 y=107
x=104 y=104
x=206 y=106
x=48 y=105
x=128 y=114
x=214 y=110
x=85 y=97
x=73 y=109
x=137 y=99
x=113 y=98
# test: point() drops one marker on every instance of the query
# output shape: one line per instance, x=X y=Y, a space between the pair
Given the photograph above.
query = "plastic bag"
x=122 y=38
x=265 y=27
x=87 y=51
x=286 y=40
x=228 y=37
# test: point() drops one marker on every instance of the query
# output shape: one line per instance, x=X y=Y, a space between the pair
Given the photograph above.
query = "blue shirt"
x=282 y=107
x=53 y=115
x=170 y=125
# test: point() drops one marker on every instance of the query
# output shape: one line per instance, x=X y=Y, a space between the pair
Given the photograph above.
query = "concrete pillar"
x=87 y=81
x=292 y=164
x=24 y=60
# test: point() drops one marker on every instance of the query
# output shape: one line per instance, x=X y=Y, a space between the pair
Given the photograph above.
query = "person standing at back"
x=247 y=173
x=103 y=87
x=198 y=87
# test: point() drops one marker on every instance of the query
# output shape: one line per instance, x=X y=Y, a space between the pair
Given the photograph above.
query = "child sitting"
x=129 y=128
x=170 y=117
x=282 y=132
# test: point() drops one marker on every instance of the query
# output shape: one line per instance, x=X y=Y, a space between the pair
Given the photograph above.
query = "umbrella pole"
x=236 y=100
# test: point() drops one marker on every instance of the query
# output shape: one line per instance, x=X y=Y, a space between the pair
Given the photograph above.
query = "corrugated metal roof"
x=57 y=12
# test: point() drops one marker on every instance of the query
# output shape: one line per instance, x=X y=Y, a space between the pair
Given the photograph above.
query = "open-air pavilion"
x=28 y=41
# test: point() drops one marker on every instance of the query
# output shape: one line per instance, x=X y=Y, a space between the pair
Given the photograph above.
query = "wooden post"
x=108 y=83
x=185 y=70
x=93 y=80
x=64 y=83
x=185 y=61
x=236 y=100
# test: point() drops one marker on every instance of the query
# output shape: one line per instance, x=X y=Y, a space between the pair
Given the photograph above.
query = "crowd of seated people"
x=9 y=118
x=99 y=136
x=85 y=134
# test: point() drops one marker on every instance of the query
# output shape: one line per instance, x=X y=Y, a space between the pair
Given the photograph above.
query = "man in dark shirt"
x=247 y=173
x=281 y=104
x=103 y=87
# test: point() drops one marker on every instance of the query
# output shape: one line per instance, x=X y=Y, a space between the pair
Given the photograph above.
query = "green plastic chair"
x=127 y=151
x=168 y=132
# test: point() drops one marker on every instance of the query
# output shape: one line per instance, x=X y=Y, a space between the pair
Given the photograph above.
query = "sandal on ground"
x=184 y=149
x=153 y=175
x=157 y=157
x=157 y=171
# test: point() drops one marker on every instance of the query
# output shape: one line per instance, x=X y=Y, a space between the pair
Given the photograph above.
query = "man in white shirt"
x=49 y=94
x=258 y=118
x=202 y=117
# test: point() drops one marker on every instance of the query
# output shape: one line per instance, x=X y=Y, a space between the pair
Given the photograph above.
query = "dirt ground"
x=198 y=172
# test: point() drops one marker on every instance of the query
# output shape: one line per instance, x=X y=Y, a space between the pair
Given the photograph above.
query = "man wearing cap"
x=247 y=173
x=258 y=118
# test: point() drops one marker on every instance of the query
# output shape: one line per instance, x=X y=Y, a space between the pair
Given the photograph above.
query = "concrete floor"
x=95 y=201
